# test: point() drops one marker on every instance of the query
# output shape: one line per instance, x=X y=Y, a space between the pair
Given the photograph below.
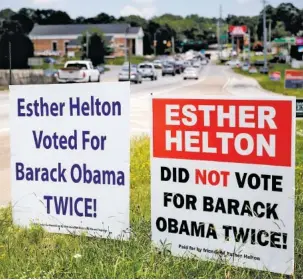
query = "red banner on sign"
x=239 y=131
x=237 y=30
x=294 y=74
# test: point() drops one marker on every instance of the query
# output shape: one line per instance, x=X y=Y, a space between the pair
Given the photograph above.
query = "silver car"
x=190 y=73
x=135 y=75
x=147 y=70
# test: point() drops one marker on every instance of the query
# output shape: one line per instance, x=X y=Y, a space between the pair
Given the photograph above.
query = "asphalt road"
x=214 y=80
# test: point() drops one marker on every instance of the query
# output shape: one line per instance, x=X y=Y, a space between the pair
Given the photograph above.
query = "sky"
x=147 y=8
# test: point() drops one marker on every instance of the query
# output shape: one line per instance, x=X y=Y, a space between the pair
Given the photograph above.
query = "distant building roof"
x=77 y=29
x=77 y=42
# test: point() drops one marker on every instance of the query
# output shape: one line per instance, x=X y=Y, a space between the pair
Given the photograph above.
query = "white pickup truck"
x=78 y=71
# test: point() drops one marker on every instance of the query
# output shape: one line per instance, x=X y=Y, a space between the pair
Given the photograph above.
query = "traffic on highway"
x=188 y=66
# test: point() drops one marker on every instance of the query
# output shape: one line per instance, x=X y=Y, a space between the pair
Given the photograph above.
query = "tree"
x=97 y=48
x=6 y=14
x=26 y=23
x=12 y=33
x=59 y=17
x=51 y=17
x=279 y=31
x=104 y=18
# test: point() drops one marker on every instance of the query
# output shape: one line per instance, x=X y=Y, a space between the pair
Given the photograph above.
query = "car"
x=208 y=56
x=168 y=69
x=233 y=63
x=78 y=71
x=197 y=64
x=187 y=63
x=264 y=70
x=158 y=64
x=101 y=69
x=135 y=75
x=253 y=70
x=190 y=73
x=180 y=66
x=148 y=70
x=204 y=62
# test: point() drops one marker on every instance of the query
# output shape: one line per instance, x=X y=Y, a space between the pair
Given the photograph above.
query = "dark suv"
x=180 y=67
x=169 y=69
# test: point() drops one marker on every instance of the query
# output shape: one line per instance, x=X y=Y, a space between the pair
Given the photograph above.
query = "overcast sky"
x=147 y=8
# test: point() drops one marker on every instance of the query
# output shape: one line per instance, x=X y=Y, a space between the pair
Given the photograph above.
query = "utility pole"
x=219 y=31
x=155 y=43
x=10 y=60
x=87 y=43
x=127 y=52
x=264 y=34
x=249 y=44
x=173 y=44
x=129 y=68
x=269 y=33
x=125 y=45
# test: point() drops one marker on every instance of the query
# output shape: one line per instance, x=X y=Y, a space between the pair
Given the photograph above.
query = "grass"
x=274 y=86
x=254 y=58
x=33 y=253
x=3 y=88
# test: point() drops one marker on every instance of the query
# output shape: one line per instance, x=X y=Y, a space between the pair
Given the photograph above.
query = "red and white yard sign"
x=223 y=179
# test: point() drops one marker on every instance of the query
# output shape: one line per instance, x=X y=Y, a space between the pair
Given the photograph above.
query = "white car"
x=148 y=70
x=197 y=64
x=187 y=63
x=78 y=71
x=233 y=63
x=157 y=64
x=204 y=62
x=190 y=73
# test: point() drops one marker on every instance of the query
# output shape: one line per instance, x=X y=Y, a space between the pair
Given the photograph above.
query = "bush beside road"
x=33 y=253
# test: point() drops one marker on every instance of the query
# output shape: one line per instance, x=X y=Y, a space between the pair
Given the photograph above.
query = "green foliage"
x=33 y=253
x=97 y=48
x=285 y=19
x=279 y=31
x=12 y=33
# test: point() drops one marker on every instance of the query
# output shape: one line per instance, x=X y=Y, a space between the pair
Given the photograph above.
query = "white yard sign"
x=223 y=179
x=70 y=157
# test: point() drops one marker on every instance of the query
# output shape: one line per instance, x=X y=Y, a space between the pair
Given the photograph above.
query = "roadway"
x=214 y=80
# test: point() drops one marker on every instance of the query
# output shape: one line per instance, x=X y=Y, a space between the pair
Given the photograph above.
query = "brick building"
x=61 y=39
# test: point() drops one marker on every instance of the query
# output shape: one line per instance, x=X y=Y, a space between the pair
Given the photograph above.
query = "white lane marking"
x=156 y=93
x=226 y=84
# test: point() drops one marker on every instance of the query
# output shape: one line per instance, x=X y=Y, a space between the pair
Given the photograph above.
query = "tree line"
x=190 y=32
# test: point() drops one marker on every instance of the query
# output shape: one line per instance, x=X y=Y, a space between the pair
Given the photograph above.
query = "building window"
x=54 y=46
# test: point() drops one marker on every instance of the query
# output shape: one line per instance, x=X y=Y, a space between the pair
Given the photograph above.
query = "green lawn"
x=254 y=57
x=33 y=253
x=274 y=86
x=2 y=88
